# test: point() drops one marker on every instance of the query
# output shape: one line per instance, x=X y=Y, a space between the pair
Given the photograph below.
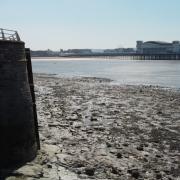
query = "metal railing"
x=9 y=35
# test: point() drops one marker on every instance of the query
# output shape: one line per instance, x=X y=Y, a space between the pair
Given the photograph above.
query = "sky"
x=95 y=24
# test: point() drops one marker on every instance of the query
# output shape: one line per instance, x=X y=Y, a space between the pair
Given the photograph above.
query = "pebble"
x=134 y=173
x=158 y=156
x=49 y=165
x=93 y=119
x=158 y=176
x=114 y=170
x=108 y=144
x=140 y=148
x=119 y=155
x=90 y=171
x=125 y=144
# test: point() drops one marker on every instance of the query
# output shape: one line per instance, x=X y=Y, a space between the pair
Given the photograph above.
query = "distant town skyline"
x=95 y=24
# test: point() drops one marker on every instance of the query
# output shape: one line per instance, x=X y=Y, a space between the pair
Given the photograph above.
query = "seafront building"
x=158 y=47
x=155 y=50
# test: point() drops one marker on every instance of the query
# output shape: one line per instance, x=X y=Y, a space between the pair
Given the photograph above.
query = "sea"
x=164 y=73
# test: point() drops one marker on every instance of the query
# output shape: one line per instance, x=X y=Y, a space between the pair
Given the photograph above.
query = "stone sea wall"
x=17 y=137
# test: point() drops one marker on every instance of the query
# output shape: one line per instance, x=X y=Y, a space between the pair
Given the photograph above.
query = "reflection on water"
x=162 y=73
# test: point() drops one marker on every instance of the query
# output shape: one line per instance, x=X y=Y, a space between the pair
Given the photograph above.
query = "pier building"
x=158 y=47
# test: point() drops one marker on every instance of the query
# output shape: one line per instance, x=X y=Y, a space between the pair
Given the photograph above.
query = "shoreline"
x=111 y=82
x=90 y=129
x=92 y=58
x=72 y=58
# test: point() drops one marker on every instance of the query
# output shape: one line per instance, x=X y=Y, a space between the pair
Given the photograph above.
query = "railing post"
x=3 y=36
x=17 y=36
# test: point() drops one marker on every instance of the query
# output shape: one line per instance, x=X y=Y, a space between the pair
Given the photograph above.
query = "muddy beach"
x=92 y=129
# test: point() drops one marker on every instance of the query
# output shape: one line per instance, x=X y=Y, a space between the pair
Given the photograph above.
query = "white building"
x=157 y=47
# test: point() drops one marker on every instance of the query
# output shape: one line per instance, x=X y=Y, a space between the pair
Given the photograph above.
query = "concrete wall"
x=17 y=131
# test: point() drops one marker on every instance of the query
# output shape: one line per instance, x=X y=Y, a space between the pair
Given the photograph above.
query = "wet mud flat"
x=92 y=129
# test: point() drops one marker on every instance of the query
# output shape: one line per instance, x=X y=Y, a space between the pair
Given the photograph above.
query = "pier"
x=129 y=56
x=137 y=56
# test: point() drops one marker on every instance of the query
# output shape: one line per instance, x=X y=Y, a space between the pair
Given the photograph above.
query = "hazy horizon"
x=95 y=24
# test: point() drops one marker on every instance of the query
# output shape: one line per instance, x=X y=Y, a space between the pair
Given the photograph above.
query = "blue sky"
x=56 y=24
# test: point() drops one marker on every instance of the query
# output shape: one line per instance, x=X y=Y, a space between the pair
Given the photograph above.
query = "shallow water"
x=162 y=73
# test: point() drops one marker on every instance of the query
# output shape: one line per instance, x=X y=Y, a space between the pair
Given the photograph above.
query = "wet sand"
x=91 y=129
